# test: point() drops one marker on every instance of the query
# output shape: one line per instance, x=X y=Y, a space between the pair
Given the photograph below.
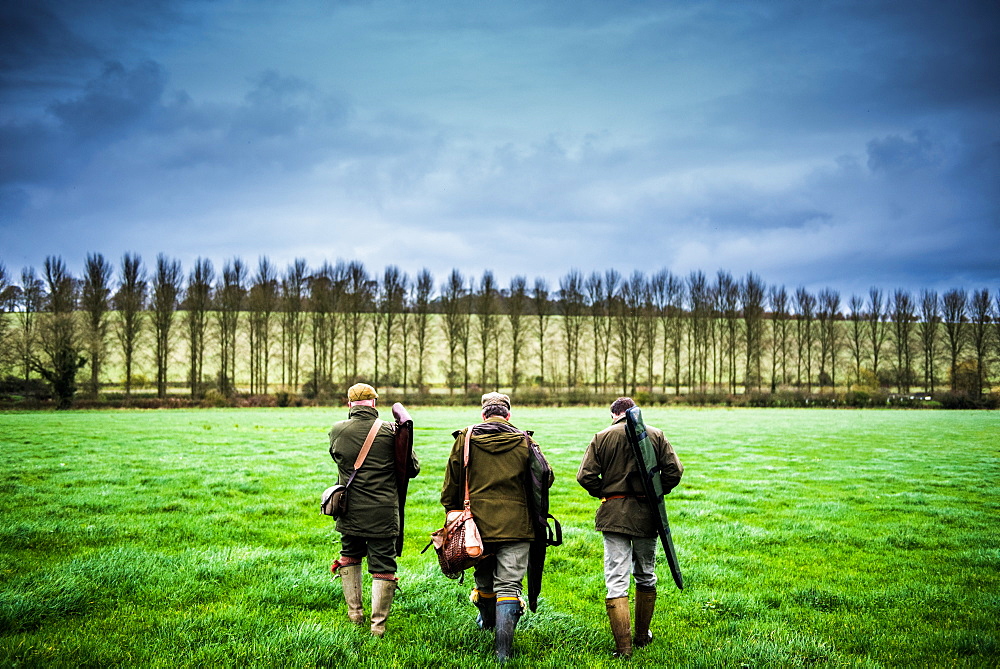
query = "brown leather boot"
x=645 y=604
x=350 y=577
x=621 y=626
x=383 y=591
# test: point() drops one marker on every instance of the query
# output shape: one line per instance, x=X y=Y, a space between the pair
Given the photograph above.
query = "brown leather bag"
x=458 y=544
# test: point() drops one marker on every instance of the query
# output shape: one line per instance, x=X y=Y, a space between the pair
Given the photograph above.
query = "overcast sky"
x=824 y=144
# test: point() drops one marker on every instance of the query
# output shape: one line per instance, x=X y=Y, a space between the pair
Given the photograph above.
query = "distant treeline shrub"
x=311 y=332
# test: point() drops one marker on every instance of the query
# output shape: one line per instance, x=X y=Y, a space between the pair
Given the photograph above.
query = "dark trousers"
x=380 y=551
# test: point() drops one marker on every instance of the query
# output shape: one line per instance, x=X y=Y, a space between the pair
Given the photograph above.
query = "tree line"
x=313 y=330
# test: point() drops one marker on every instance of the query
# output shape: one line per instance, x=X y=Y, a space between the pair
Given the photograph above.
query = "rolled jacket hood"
x=496 y=435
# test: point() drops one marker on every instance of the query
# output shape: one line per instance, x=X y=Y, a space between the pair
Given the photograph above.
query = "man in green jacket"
x=498 y=480
x=371 y=524
x=609 y=471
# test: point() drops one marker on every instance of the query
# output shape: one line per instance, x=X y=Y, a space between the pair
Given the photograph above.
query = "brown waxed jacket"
x=498 y=457
x=609 y=471
x=372 y=507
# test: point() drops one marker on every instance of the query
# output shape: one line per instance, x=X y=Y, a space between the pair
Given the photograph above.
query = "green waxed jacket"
x=498 y=480
x=609 y=471
x=372 y=509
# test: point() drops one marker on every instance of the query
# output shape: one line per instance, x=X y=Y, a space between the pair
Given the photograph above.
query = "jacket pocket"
x=501 y=518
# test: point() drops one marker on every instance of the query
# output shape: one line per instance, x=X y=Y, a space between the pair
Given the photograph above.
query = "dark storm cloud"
x=32 y=36
x=938 y=55
x=830 y=65
x=63 y=95
x=50 y=44
x=46 y=150
x=113 y=103
x=283 y=122
x=129 y=102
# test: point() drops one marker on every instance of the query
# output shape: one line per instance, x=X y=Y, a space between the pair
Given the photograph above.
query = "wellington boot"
x=383 y=591
x=645 y=603
x=350 y=577
x=487 y=605
x=508 y=612
x=621 y=626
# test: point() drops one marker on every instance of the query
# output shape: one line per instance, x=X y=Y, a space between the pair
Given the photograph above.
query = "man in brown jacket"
x=371 y=524
x=609 y=471
x=498 y=459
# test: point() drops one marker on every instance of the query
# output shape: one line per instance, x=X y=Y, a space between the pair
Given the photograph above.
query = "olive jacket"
x=372 y=507
x=609 y=471
x=498 y=480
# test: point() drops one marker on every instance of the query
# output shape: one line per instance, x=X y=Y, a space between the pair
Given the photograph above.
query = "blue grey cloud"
x=34 y=37
x=838 y=142
x=898 y=154
x=113 y=103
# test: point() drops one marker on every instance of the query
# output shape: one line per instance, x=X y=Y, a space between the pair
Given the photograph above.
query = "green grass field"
x=193 y=538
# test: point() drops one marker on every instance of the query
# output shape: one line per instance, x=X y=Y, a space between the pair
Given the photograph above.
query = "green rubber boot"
x=508 y=612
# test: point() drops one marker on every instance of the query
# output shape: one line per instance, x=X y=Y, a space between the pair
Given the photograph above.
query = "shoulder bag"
x=458 y=544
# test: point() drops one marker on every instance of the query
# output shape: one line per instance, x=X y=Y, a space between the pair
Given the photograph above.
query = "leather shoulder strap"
x=367 y=446
x=468 y=440
x=465 y=463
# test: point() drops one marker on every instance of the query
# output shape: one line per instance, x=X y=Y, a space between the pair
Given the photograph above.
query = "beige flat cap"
x=489 y=399
x=361 y=391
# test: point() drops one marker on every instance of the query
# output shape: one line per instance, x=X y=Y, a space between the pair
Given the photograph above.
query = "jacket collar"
x=362 y=411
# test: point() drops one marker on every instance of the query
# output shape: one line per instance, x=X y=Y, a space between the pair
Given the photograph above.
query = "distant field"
x=192 y=538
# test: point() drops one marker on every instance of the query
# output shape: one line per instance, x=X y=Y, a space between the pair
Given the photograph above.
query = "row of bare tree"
x=317 y=328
